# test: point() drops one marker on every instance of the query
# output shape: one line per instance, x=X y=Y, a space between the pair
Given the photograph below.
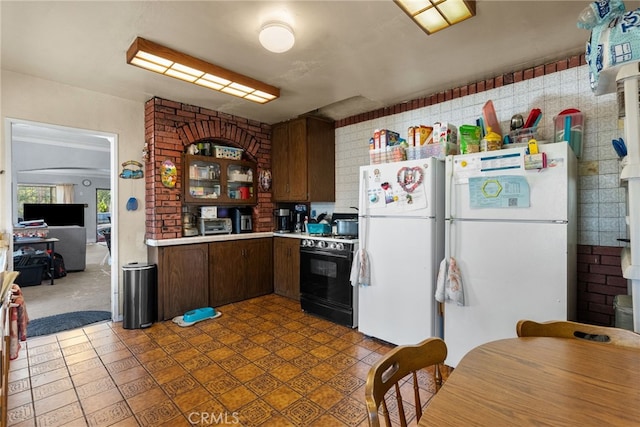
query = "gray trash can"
x=140 y=295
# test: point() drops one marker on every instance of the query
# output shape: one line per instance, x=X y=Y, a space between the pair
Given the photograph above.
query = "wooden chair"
x=568 y=329
x=393 y=368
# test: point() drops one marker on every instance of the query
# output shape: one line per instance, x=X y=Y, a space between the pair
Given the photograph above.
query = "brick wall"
x=169 y=128
x=599 y=281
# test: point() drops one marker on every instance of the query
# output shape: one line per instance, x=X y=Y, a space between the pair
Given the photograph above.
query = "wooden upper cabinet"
x=298 y=164
x=303 y=160
x=280 y=167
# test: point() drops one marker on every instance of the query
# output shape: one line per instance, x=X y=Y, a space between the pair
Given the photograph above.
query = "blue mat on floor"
x=64 y=322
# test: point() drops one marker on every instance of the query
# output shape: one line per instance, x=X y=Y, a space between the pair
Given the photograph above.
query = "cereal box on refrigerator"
x=445 y=136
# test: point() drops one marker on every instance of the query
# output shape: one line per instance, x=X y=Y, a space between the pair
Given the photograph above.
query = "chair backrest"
x=391 y=370
x=568 y=329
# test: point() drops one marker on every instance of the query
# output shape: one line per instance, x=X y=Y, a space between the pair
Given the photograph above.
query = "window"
x=103 y=214
x=103 y=200
x=34 y=194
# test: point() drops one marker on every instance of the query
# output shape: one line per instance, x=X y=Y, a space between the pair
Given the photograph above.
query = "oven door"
x=325 y=288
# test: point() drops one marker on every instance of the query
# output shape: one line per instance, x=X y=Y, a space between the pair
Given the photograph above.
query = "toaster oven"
x=209 y=226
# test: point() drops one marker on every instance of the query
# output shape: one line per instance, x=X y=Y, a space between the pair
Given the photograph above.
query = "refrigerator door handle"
x=448 y=209
x=448 y=212
x=397 y=216
x=523 y=221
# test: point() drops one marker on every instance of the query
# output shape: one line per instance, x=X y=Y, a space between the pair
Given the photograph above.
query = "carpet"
x=64 y=322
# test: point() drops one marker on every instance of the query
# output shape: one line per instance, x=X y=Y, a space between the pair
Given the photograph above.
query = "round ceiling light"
x=277 y=37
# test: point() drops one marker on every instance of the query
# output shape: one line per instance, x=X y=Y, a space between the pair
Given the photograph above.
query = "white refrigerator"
x=511 y=228
x=401 y=214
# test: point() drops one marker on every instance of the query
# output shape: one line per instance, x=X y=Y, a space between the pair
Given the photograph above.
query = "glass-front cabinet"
x=209 y=180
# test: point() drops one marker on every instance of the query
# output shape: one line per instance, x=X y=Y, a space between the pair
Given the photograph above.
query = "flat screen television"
x=55 y=214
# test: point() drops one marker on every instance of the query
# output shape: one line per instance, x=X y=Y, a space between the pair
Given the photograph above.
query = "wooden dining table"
x=543 y=382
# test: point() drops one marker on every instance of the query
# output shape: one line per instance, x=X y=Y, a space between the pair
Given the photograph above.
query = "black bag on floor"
x=58 y=266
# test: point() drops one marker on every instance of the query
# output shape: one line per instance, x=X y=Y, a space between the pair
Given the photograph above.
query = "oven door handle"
x=324 y=253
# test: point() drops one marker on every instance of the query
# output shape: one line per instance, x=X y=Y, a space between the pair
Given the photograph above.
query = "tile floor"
x=262 y=363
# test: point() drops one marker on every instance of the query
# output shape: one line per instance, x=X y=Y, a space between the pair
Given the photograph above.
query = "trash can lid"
x=138 y=266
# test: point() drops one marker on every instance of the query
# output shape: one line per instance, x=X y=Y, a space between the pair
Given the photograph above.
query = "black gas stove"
x=325 y=269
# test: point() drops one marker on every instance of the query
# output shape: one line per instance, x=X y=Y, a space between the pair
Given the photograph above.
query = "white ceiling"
x=58 y=136
x=52 y=150
x=349 y=57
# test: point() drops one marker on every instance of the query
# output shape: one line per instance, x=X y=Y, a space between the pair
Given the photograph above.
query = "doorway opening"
x=84 y=162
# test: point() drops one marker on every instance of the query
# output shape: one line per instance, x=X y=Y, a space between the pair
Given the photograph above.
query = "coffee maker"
x=189 y=227
x=241 y=220
x=283 y=220
x=300 y=215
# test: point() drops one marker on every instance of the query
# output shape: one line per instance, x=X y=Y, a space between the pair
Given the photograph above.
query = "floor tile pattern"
x=262 y=363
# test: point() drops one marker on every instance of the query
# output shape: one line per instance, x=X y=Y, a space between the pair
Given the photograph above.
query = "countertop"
x=242 y=236
x=206 y=239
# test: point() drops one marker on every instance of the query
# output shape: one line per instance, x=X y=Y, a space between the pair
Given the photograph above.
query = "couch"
x=72 y=245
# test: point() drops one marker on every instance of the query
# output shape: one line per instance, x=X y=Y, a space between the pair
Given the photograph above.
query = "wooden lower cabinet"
x=286 y=267
x=240 y=269
x=183 y=278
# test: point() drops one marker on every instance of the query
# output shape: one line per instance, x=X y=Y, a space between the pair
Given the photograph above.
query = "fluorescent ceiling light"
x=436 y=15
x=277 y=37
x=160 y=59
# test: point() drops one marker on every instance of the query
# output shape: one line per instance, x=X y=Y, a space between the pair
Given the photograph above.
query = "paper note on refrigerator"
x=400 y=189
x=505 y=191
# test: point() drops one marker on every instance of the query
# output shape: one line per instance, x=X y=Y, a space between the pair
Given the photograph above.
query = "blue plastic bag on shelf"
x=614 y=42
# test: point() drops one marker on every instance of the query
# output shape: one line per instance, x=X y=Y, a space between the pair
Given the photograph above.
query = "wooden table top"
x=540 y=381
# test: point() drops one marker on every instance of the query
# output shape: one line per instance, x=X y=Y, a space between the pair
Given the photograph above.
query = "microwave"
x=208 y=226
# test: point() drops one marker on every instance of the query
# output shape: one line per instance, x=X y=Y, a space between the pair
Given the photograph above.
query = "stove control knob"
x=340 y=246
x=321 y=244
x=333 y=245
x=306 y=243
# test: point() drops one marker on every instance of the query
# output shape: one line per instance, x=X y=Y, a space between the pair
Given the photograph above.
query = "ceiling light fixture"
x=160 y=59
x=436 y=15
x=277 y=37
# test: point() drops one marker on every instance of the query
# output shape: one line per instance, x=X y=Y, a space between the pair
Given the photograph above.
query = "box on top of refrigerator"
x=445 y=137
x=444 y=132
x=388 y=137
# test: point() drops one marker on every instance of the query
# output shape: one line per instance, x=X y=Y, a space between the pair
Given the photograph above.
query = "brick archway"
x=169 y=128
x=215 y=129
